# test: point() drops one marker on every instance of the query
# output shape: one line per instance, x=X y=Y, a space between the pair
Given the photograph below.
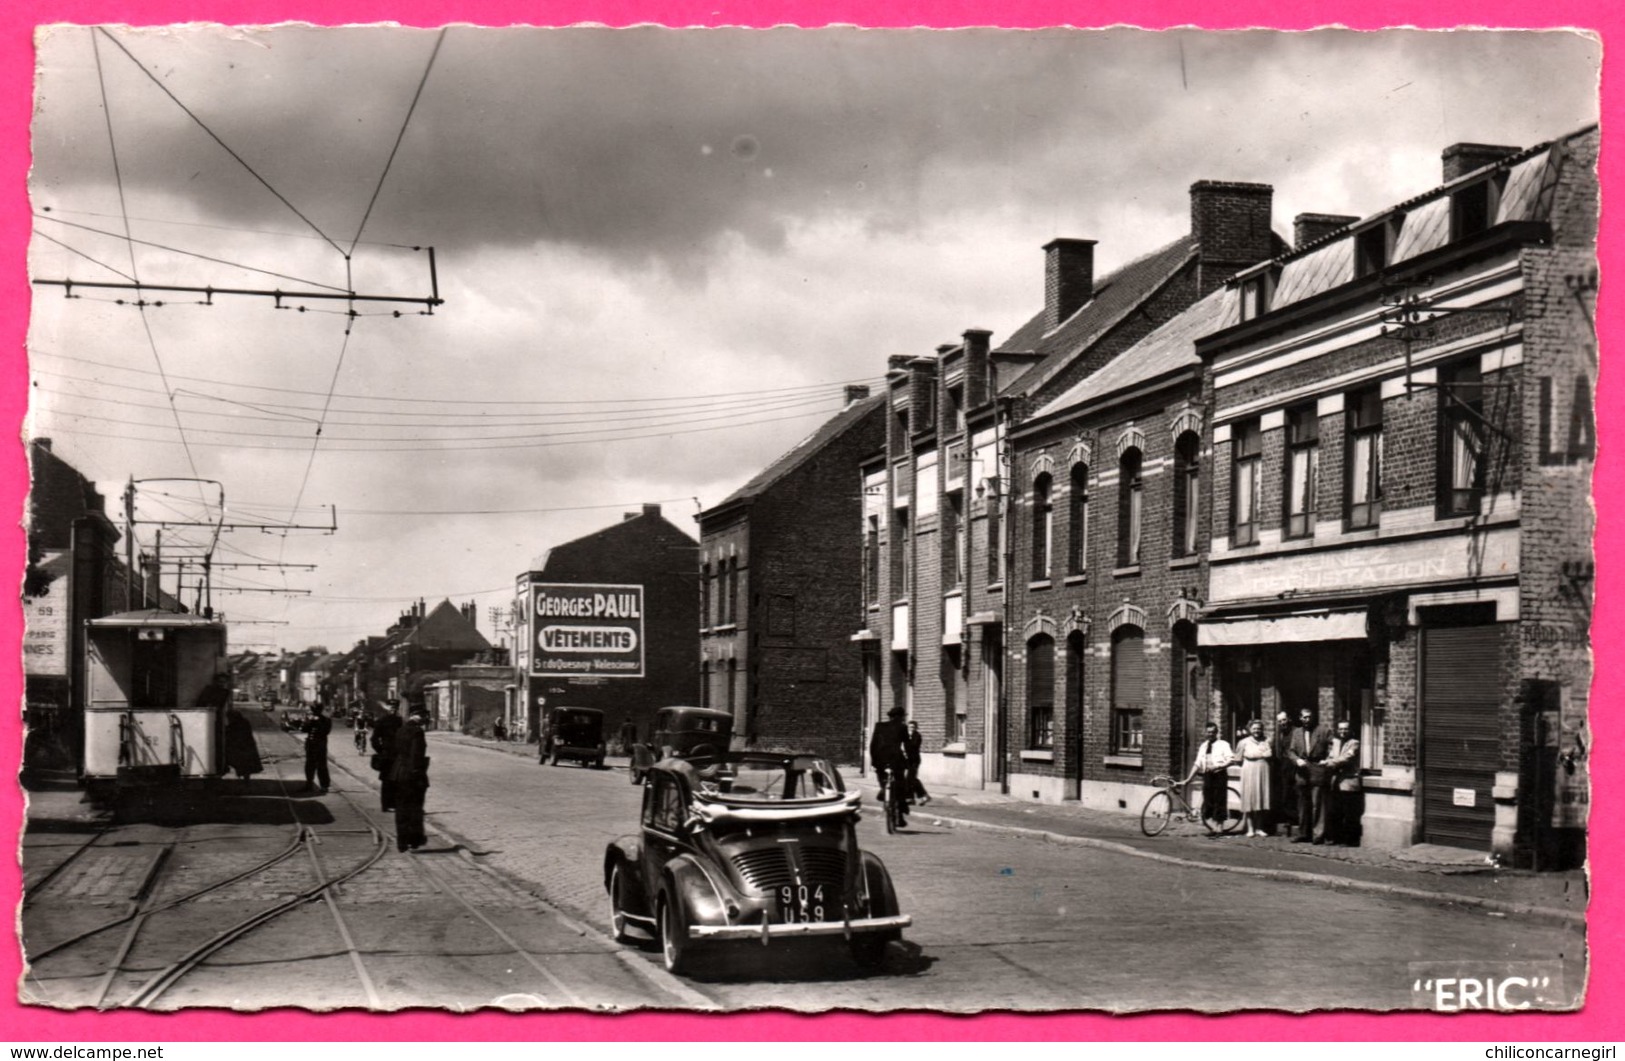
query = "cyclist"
x=888 y=751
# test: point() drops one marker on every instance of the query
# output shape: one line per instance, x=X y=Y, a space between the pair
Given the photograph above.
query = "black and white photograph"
x=649 y=519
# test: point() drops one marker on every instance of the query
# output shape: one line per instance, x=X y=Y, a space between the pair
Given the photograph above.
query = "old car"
x=682 y=732
x=749 y=847
x=575 y=733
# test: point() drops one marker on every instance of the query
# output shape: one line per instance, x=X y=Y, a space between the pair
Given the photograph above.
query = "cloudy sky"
x=662 y=253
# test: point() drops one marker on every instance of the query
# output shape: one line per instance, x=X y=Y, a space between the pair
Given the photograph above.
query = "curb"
x=1322 y=880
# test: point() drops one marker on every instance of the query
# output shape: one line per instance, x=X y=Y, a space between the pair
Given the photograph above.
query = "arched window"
x=1041 y=692
x=1187 y=494
x=1077 y=522
x=1128 y=691
x=1043 y=526
x=1130 y=507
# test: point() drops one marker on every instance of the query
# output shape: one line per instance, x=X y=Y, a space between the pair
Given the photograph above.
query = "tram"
x=155 y=698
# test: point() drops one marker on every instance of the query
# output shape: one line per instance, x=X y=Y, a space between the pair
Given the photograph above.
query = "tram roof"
x=155 y=617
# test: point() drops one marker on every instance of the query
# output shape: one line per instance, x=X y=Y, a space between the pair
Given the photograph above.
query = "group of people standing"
x=401 y=758
x=1303 y=779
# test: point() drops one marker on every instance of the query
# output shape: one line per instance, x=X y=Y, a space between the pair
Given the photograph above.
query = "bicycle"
x=1170 y=802
x=894 y=798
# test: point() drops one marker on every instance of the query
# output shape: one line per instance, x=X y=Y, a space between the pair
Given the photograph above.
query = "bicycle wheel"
x=1158 y=812
x=1233 y=818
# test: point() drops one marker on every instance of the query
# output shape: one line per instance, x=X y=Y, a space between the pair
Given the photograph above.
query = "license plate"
x=798 y=902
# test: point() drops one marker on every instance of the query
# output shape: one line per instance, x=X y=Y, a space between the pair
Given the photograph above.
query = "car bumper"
x=769 y=930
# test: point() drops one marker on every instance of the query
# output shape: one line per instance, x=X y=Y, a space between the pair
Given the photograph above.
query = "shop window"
x=1041 y=692
x=1302 y=470
x=1363 y=413
x=1187 y=494
x=1461 y=440
x=1043 y=525
x=1128 y=691
x=1130 y=507
x=1247 y=456
x=1077 y=521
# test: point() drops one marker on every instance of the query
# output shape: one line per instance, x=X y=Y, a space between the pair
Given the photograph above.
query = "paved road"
x=1007 y=922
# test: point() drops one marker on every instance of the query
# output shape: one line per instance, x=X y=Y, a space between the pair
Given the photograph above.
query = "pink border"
x=1599 y=1021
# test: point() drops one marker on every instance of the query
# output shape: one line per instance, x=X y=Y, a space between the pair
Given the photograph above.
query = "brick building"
x=607 y=621
x=1402 y=443
x=780 y=586
x=946 y=504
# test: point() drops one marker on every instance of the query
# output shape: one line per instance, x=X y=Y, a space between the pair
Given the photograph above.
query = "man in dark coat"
x=888 y=748
x=411 y=777
x=386 y=729
x=316 y=731
x=911 y=748
x=241 y=753
x=1309 y=750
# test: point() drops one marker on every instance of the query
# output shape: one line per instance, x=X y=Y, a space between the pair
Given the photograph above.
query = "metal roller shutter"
x=1461 y=690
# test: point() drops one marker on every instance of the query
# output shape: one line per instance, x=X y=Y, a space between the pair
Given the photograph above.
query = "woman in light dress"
x=1254 y=753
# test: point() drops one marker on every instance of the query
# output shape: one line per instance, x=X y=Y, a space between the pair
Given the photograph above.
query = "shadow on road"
x=266 y=802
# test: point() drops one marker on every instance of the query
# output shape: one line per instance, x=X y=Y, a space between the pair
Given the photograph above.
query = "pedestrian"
x=1310 y=744
x=411 y=776
x=316 y=731
x=385 y=731
x=911 y=746
x=1255 y=753
x=1283 y=789
x=360 y=734
x=888 y=749
x=629 y=736
x=1343 y=788
x=242 y=754
x=1212 y=765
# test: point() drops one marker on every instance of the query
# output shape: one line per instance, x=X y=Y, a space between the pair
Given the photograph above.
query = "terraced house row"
x=1347 y=473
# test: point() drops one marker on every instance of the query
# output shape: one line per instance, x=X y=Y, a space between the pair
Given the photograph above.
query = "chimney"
x=977 y=379
x=898 y=362
x=1231 y=224
x=1069 y=278
x=856 y=392
x=1311 y=228
x=651 y=510
x=1461 y=159
x=922 y=390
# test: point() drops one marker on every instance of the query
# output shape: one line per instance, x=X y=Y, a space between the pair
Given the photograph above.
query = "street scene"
x=636 y=520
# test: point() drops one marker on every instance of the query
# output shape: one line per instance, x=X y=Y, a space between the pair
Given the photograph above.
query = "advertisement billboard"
x=585 y=630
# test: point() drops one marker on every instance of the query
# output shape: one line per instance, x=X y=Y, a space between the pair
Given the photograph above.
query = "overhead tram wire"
x=213 y=136
x=471 y=421
x=870 y=380
x=118 y=177
x=349 y=324
x=75 y=250
x=458 y=449
x=191 y=254
x=222 y=228
x=814 y=404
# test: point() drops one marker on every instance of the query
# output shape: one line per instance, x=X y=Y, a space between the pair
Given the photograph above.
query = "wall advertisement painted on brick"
x=586 y=630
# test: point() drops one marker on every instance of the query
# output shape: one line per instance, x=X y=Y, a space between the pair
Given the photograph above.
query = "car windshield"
x=701 y=725
x=578 y=718
x=769 y=780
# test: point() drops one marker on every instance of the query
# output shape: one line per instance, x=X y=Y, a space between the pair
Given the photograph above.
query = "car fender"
x=704 y=897
x=627 y=852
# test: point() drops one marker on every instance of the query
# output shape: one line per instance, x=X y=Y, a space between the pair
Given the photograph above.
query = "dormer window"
x=1374 y=246
x=956 y=408
x=1257 y=291
x=1473 y=208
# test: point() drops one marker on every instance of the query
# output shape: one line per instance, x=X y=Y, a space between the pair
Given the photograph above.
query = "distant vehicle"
x=575 y=733
x=155 y=699
x=751 y=847
x=682 y=731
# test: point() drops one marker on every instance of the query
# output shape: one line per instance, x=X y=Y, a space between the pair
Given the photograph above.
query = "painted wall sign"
x=1378 y=564
x=586 y=630
x=45 y=630
x=1567 y=435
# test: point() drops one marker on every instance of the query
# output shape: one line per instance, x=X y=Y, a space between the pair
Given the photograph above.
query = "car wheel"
x=1233 y=816
x=617 y=907
x=676 y=950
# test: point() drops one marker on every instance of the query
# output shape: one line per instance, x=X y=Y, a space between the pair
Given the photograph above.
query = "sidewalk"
x=1433 y=874
x=1422 y=872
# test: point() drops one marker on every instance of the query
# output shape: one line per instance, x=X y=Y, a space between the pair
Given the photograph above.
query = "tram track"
x=143 y=970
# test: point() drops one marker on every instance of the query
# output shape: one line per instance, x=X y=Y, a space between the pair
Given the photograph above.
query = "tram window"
x=152 y=674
